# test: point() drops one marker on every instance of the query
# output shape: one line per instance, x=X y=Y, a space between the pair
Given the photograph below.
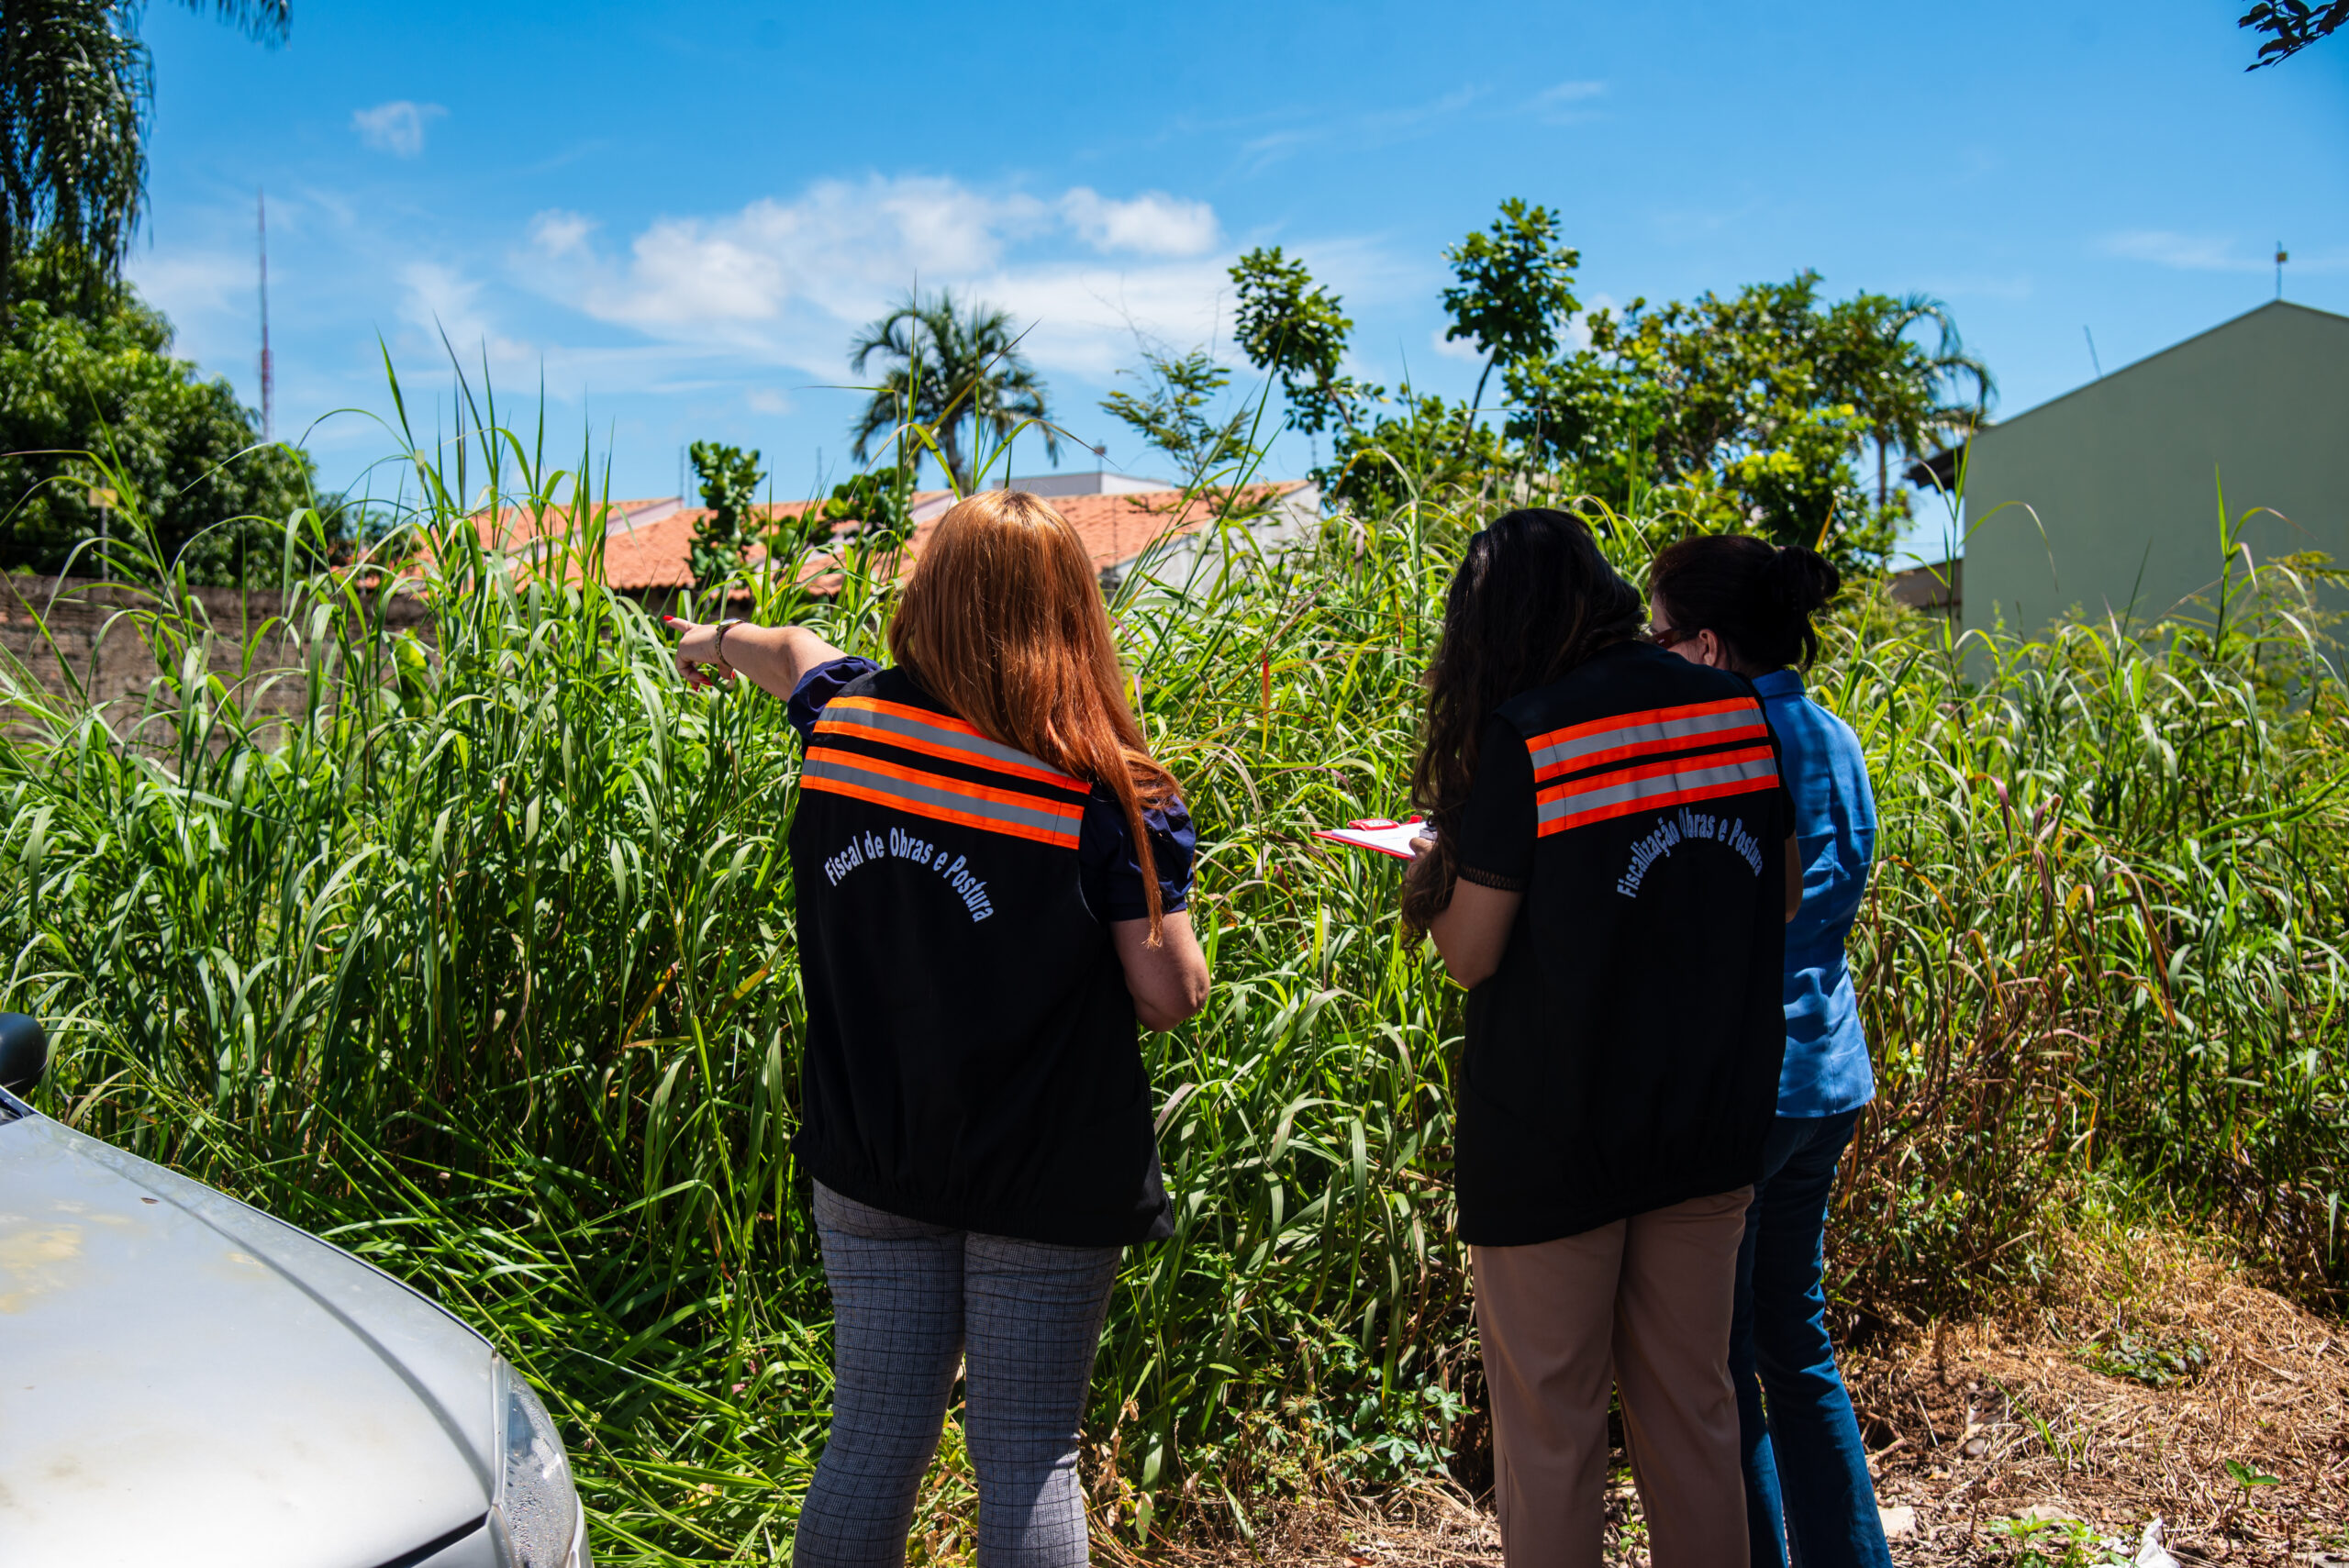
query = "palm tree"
x=950 y=364
x=75 y=88
x=1911 y=398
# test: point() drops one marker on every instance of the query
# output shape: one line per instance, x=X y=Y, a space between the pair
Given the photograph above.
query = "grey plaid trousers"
x=910 y=1302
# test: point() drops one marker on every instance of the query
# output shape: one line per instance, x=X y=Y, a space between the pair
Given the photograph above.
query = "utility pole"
x=2282 y=256
x=104 y=499
x=268 y=371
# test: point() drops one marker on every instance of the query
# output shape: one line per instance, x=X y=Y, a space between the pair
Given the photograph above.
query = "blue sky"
x=677 y=216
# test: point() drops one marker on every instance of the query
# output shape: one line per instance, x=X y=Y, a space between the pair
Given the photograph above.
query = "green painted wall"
x=2123 y=474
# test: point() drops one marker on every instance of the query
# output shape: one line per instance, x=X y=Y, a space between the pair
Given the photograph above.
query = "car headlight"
x=536 y=1512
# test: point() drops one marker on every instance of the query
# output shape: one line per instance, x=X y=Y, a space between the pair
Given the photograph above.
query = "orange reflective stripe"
x=1652 y=786
x=1652 y=746
x=936 y=735
x=1651 y=730
x=1658 y=802
x=940 y=813
x=1012 y=812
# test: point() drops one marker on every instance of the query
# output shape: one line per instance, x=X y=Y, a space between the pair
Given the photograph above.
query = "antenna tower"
x=268 y=369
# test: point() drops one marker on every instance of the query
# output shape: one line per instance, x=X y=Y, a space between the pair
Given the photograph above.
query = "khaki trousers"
x=1649 y=1298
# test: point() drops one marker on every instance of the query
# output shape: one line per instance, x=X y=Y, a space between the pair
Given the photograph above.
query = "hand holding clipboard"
x=1379 y=834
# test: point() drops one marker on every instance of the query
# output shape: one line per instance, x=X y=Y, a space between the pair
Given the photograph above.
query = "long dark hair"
x=1757 y=598
x=1533 y=600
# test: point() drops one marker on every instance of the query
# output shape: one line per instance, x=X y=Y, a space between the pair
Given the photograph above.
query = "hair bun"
x=1804 y=579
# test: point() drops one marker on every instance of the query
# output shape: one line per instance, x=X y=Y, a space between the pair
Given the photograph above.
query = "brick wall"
x=72 y=632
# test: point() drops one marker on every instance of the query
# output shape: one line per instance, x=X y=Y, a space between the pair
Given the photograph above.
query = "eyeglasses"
x=1668 y=637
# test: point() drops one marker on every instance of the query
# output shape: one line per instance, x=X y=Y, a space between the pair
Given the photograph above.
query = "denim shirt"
x=1826 y=1070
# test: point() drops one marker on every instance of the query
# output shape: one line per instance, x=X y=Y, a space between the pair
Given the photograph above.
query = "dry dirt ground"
x=2062 y=1432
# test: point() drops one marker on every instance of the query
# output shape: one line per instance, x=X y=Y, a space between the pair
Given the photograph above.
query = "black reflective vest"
x=1625 y=1055
x=971 y=1056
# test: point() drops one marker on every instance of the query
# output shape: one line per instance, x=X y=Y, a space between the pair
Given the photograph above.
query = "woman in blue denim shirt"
x=1737 y=603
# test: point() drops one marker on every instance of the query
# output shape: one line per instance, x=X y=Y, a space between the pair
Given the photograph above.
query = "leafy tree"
x=75 y=91
x=2291 y=26
x=1431 y=447
x=729 y=487
x=1172 y=414
x=92 y=401
x=950 y=366
x=1796 y=485
x=1515 y=289
x=1750 y=411
x=1292 y=326
x=880 y=504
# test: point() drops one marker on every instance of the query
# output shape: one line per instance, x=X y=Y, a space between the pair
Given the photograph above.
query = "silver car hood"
x=184 y=1380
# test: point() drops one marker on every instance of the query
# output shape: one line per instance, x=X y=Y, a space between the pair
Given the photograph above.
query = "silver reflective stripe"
x=1640 y=734
x=975 y=746
x=832 y=766
x=1662 y=783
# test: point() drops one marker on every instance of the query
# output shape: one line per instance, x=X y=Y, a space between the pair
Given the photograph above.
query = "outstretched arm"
x=774 y=657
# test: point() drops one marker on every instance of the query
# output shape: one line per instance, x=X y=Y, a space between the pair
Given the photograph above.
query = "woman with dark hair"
x=991 y=872
x=1734 y=603
x=1608 y=879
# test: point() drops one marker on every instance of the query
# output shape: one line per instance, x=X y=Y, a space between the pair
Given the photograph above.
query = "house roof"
x=648 y=543
x=2313 y=317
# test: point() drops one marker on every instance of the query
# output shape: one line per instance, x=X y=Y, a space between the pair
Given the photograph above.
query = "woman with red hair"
x=991 y=872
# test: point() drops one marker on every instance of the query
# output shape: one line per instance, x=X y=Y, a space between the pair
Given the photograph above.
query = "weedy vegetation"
x=481 y=963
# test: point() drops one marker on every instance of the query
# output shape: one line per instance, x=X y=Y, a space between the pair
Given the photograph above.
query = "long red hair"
x=1003 y=622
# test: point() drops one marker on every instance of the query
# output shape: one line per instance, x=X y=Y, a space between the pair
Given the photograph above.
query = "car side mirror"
x=24 y=1053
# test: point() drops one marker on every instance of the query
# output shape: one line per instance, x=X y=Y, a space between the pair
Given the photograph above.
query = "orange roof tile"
x=655 y=553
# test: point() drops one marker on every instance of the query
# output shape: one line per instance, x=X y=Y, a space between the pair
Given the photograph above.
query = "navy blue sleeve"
x=1110 y=870
x=820 y=685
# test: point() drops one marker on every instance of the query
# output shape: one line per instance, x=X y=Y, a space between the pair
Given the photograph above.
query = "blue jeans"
x=1807 y=1496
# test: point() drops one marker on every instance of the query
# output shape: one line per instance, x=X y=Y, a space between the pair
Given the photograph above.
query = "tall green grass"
x=483 y=963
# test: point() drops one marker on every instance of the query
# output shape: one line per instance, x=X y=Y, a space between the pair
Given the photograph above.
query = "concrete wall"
x=1191 y=559
x=2123 y=473
x=58 y=634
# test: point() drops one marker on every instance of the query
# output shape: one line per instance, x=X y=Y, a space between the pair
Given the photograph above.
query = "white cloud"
x=189 y=283
x=1568 y=103
x=442 y=302
x=787 y=281
x=396 y=128
x=1360 y=132
x=1461 y=349
x=1087 y=319
x=841 y=249
x=2213 y=254
x=437 y=295
x=1568 y=92
x=2187 y=252
x=1154 y=223
x=558 y=233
